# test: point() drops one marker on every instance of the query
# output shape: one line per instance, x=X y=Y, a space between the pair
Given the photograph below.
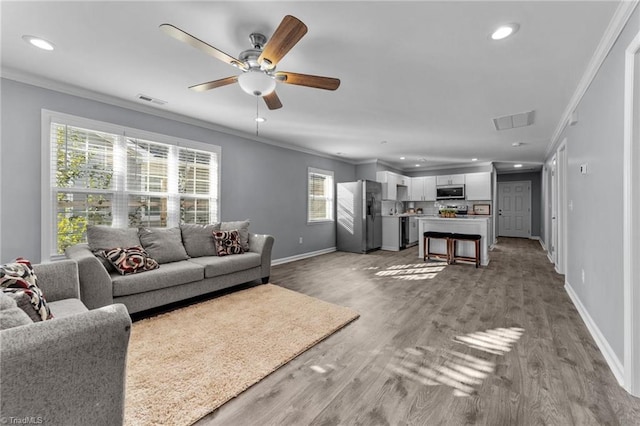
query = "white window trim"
x=311 y=170
x=48 y=221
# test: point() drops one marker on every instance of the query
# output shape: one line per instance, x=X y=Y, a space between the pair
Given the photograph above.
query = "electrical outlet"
x=583 y=276
x=300 y=242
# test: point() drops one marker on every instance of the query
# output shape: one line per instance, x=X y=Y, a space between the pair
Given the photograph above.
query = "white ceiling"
x=421 y=80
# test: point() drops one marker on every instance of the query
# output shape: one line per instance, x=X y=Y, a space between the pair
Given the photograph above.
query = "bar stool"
x=428 y=254
x=465 y=237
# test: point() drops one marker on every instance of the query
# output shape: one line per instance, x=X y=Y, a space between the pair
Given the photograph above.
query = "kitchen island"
x=461 y=225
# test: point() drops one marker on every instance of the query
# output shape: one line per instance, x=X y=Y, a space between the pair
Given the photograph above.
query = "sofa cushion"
x=10 y=314
x=168 y=275
x=198 y=239
x=227 y=242
x=163 y=244
x=102 y=237
x=243 y=229
x=67 y=307
x=130 y=260
x=18 y=277
x=216 y=265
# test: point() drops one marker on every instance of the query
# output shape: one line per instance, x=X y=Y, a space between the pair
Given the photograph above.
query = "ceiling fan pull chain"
x=257 y=121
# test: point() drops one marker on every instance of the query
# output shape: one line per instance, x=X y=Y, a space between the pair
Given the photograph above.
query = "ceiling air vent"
x=150 y=99
x=512 y=121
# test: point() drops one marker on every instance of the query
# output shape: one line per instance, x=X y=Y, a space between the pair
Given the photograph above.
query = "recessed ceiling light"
x=38 y=42
x=517 y=144
x=504 y=31
x=260 y=119
x=474 y=159
x=417 y=165
x=517 y=166
x=402 y=158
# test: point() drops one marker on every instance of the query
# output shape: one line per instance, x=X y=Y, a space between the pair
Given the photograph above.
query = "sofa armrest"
x=96 y=288
x=58 y=280
x=262 y=244
x=67 y=370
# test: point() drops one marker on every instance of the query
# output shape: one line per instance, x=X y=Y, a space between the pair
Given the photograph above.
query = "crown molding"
x=68 y=89
x=616 y=25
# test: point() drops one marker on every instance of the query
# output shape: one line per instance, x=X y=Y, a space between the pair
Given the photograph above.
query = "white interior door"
x=554 y=212
x=561 y=211
x=514 y=209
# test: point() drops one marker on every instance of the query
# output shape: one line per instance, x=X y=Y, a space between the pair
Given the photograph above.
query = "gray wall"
x=260 y=182
x=536 y=196
x=595 y=222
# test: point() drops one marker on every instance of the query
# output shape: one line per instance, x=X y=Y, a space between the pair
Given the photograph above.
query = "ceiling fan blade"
x=272 y=100
x=215 y=83
x=315 y=81
x=185 y=37
x=288 y=33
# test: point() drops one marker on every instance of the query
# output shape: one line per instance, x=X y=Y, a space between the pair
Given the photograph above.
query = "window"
x=103 y=174
x=320 y=195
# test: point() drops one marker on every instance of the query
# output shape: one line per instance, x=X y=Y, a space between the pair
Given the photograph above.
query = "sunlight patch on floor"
x=462 y=372
x=497 y=341
x=412 y=272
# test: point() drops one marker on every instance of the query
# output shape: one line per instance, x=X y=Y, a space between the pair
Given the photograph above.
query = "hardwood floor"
x=439 y=345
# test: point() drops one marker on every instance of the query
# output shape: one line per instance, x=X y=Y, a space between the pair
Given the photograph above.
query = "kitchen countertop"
x=435 y=216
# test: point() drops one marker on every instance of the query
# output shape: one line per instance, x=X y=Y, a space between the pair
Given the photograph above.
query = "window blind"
x=106 y=178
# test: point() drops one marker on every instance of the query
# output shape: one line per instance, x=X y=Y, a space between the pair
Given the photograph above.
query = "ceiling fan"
x=258 y=65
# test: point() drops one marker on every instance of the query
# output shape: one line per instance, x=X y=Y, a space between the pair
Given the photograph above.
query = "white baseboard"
x=609 y=355
x=302 y=256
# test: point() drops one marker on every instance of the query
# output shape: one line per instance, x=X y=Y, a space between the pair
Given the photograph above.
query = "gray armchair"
x=69 y=370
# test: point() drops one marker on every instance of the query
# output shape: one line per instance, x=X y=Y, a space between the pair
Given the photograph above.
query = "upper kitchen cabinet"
x=450 y=180
x=478 y=186
x=423 y=188
x=394 y=186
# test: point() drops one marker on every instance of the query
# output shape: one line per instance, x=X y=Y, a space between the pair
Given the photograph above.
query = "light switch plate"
x=583 y=168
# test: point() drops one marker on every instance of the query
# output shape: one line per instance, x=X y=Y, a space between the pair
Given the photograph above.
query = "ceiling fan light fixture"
x=256 y=83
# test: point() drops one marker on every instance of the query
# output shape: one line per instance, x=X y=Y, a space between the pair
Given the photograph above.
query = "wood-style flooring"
x=439 y=345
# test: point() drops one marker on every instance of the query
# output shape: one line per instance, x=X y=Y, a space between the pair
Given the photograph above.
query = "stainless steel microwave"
x=450 y=192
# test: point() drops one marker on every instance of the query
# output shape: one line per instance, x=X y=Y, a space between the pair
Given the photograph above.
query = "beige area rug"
x=184 y=364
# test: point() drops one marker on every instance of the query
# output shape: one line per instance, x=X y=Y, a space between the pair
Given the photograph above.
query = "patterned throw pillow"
x=228 y=242
x=130 y=260
x=19 y=277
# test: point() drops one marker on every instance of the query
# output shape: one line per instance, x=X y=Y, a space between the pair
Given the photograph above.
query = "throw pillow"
x=102 y=237
x=198 y=239
x=23 y=301
x=228 y=242
x=163 y=244
x=10 y=314
x=243 y=229
x=130 y=260
x=19 y=277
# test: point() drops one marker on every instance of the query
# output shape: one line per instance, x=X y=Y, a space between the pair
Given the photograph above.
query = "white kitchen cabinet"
x=413 y=230
x=478 y=186
x=450 y=179
x=423 y=188
x=390 y=233
x=390 y=182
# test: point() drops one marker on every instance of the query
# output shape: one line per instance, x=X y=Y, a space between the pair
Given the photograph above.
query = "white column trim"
x=631 y=230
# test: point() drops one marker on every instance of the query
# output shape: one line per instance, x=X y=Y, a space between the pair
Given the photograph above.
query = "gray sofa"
x=189 y=265
x=69 y=370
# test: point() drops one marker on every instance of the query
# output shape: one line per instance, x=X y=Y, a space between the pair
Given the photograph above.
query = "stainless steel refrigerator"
x=359 y=216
